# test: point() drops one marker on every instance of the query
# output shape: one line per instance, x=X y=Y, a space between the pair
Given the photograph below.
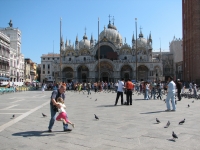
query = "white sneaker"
x=73 y=125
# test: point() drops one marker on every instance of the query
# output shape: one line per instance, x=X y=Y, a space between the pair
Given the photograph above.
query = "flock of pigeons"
x=168 y=124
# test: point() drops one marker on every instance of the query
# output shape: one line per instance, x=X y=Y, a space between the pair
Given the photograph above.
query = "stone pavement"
x=119 y=127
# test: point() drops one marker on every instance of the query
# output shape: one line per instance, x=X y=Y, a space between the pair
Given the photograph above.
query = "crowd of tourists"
x=150 y=90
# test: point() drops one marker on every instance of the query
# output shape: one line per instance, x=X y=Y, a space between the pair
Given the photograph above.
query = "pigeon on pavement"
x=158 y=121
x=97 y=118
x=174 y=136
x=167 y=125
x=192 y=101
x=95 y=99
x=188 y=105
x=182 y=122
x=44 y=115
x=13 y=116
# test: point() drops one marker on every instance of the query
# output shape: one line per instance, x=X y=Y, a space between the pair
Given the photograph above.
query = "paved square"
x=119 y=127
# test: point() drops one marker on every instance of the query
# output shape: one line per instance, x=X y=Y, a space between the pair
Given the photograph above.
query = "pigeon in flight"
x=174 y=136
x=167 y=125
x=188 y=105
x=97 y=118
x=182 y=122
x=44 y=115
x=158 y=121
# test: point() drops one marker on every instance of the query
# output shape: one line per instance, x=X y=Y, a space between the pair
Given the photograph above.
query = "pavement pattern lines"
x=118 y=127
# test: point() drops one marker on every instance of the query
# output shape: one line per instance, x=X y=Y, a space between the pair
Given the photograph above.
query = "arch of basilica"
x=117 y=58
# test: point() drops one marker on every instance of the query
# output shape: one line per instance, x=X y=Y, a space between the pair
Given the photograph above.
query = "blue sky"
x=39 y=21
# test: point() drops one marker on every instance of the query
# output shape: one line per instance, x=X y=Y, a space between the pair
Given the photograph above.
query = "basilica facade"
x=79 y=61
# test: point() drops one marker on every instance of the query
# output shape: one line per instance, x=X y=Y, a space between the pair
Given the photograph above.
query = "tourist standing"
x=179 y=87
x=171 y=94
x=129 y=89
x=120 y=91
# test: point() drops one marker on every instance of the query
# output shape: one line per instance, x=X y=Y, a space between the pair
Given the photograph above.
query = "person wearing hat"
x=171 y=94
x=179 y=87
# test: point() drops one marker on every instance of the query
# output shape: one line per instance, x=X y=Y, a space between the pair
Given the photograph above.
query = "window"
x=43 y=66
x=84 y=59
x=48 y=72
x=43 y=58
x=43 y=72
x=48 y=66
x=70 y=59
x=48 y=58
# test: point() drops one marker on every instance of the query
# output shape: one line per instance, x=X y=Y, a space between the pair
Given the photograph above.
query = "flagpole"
x=98 y=50
x=136 y=50
x=60 y=51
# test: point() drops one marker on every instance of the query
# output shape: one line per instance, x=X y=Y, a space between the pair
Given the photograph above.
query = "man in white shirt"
x=171 y=94
x=120 y=90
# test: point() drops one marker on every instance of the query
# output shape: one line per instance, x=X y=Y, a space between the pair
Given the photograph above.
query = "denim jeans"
x=171 y=96
x=146 y=94
x=88 y=91
x=153 y=93
x=53 y=118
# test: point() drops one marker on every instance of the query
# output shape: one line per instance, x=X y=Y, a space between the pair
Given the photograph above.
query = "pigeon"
x=44 y=115
x=174 y=136
x=188 y=105
x=95 y=99
x=181 y=122
x=192 y=101
x=90 y=98
x=97 y=118
x=13 y=116
x=167 y=125
x=158 y=121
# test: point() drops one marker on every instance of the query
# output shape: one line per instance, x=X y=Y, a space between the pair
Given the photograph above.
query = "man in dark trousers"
x=120 y=90
x=129 y=89
x=54 y=105
x=179 y=87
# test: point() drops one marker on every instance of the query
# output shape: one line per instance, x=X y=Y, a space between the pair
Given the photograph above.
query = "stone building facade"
x=16 y=57
x=191 y=40
x=79 y=62
x=4 y=56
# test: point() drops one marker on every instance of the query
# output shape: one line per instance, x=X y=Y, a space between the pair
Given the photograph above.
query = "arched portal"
x=143 y=73
x=83 y=73
x=126 y=72
x=106 y=72
x=67 y=74
x=106 y=52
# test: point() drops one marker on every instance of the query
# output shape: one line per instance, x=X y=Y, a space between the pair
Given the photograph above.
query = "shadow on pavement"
x=153 y=112
x=172 y=140
x=33 y=133
x=108 y=105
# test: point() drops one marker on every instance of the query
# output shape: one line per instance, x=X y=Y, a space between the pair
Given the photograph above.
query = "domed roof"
x=85 y=43
x=141 y=42
x=111 y=34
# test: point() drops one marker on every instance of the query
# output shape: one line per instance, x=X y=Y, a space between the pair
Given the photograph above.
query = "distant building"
x=79 y=62
x=191 y=40
x=4 y=56
x=16 y=57
x=176 y=49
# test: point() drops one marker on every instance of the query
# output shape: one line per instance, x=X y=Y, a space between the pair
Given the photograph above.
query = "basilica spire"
x=150 y=39
x=140 y=35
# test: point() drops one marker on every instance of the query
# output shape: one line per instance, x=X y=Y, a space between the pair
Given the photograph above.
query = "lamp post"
x=136 y=50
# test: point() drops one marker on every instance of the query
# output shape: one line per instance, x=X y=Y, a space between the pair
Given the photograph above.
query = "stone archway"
x=82 y=73
x=143 y=73
x=67 y=74
x=106 y=71
x=126 y=72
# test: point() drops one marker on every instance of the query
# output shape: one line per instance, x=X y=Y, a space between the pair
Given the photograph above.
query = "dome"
x=111 y=34
x=141 y=42
x=85 y=43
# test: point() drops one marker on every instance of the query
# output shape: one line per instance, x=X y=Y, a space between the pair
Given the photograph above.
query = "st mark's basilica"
x=79 y=61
